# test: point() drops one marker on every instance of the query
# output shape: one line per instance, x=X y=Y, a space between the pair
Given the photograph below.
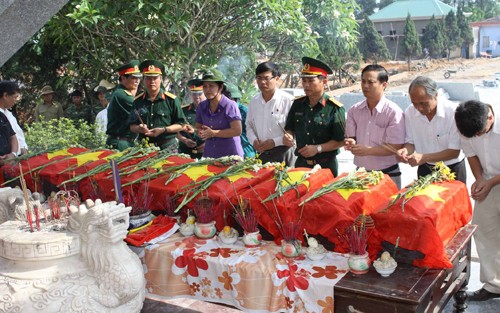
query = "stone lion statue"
x=105 y=277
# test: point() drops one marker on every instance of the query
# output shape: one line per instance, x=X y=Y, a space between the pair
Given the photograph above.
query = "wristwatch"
x=319 y=148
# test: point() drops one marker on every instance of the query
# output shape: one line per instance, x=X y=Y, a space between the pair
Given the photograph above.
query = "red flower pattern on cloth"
x=330 y=272
x=295 y=279
x=223 y=252
x=327 y=304
x=194 y=288
x=218 y=292
x=280 y=257
x=190 y=243
x=193 y=261
x=289 y=303
x=226 y=280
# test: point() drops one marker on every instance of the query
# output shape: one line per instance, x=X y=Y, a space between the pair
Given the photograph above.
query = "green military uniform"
x=163 y=111
x=119 y=135
x=84 y=113
x=316 y=125
x=190 y=114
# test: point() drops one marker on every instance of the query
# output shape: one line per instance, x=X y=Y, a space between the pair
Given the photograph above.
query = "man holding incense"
x=316 y=121
x=431 y=132
x=375 y=127
x=156 y=113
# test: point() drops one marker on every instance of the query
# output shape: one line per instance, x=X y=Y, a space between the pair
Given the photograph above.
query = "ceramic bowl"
x=385 y=272
x=315 y=256
x=228 y=240
x=186 y=231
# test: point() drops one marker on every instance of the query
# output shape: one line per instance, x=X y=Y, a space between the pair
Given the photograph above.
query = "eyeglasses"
x=264 y=79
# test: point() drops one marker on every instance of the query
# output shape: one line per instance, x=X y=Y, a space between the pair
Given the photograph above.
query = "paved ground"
x=475 y=75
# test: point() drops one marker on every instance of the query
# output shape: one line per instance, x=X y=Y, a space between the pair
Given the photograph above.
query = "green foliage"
x=63 y=133
x=366 y=7
x=481 y=9
x=465 y=30
x=372 y=44
x=411 y=43
x=452 y=33
x=433 y=38
x=383 y=3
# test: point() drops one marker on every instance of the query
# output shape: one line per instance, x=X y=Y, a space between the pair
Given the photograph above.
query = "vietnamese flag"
x=429 y=221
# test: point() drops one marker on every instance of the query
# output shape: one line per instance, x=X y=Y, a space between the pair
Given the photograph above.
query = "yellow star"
x=160 y=164
x=432 y=191
x=195 y=172
x=63 y=152
x=235 y=177
x=87 y=157
x=346 y=193
x=295 y=177
x=114 y=155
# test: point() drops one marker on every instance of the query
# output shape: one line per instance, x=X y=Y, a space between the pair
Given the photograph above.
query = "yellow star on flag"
x=432 y=191
x=87 y=157
x=160 y=164
x=346 y=193
x=63 y=152
x=195 y=172
x=114 y=155
x=295 y=177
x=235 y=177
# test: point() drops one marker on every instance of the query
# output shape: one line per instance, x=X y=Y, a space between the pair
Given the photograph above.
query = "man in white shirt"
x=267 y=112
x=480 y=129
x=431 y=132
x=101 y=118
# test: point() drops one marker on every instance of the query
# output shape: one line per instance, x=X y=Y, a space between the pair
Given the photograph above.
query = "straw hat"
x=104 y=83
x=46 y=90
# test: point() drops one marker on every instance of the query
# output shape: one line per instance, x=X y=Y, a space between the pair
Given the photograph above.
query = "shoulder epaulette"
x=127 y=92
x=170 y=95
x=185 y=105
x=336 y=102
x=139 y=95
x=299 y=97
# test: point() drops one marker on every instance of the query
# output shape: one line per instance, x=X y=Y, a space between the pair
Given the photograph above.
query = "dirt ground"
x=471 y=70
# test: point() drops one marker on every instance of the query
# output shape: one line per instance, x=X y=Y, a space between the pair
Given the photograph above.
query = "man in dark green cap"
x=156 y=113
x=189 y=142
x=316 y=121
x=119 y=135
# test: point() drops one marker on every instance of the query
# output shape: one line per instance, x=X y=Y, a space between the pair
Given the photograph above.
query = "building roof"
x=418 y=9
x=494 y=21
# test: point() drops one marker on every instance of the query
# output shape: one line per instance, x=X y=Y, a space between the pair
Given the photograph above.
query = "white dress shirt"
x=266 y=116
x=21 y=140
x=101 y=120
x=436 y=135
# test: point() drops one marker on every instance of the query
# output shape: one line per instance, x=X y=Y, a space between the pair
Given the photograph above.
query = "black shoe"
x=481 y=295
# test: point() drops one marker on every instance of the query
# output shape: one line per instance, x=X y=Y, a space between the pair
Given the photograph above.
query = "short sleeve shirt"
x=46 y=113
x=383 y=124
x=318 y=124
x=163 y=111
x=227 y=111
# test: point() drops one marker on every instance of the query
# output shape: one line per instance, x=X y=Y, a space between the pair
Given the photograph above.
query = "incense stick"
x=389 y=148
x=139 y=116
x=254 y=129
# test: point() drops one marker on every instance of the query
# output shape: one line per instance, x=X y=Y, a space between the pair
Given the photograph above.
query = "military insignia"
x=170 y=95
x=336 y=102
x=136 y=68
x=306 y=68
x=151 y=68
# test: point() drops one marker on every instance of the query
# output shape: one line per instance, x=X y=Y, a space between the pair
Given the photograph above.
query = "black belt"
x=318 y=161
x=390 y=169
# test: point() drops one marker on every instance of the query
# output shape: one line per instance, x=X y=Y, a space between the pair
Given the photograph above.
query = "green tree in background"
x=466 y=35
x=366 y=7
x=452 y=34
x=372 y=45
x=411 y=43
x=433 y=38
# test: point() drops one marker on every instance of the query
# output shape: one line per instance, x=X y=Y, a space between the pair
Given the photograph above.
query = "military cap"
x=234 y=90
x=152 y=68
x=313 y=68
x=47 y=90
x=195 y=85
x=76 y=93
x=213 y=75
x=131 y=68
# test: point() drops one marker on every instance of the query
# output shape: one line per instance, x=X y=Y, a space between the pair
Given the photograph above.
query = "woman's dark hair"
x=9 y=87
x=471 y=117
x=268 y=67
x=382 y=75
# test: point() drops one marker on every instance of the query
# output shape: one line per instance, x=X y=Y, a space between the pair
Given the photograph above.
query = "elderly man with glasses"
x=267 y=112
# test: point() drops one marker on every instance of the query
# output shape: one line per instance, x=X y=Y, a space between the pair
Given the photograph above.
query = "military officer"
x=156 y=113
x=316 y=121
x=189 y=142
x=119 y=135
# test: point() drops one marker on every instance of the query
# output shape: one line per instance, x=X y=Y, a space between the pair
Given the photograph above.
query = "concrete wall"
x=20 y=20
x=493 y=45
